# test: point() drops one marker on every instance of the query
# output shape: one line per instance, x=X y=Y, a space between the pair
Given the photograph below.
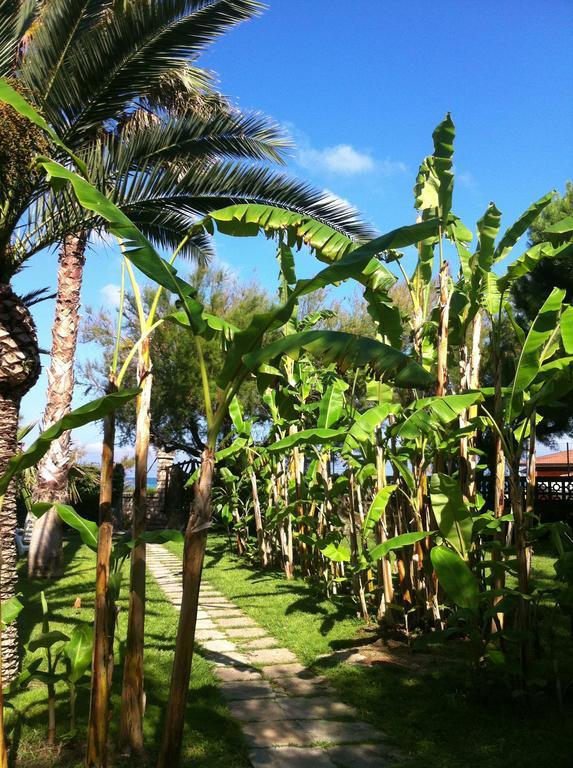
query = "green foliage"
x=459 y=583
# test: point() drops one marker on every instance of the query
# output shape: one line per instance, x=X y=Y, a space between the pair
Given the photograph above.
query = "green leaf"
x=567 y=330
x=530 y=259
x=247 y=220
x=78 y=651
x=87 y=529
x=403 y=540
x=365 y=425
x=11 y=609
x=348 y=351
x=87 y=413
x=236 y=446
x=451 y=512
x=338 y=553
x=531 y=357
x=519 y=227
x=458 y=582
x=488 y=227
x=378 y=507
x=236 y=414
x=160 y=537
x=47 y=640
x=331 y=405
x=307 y=437
x=443 y=137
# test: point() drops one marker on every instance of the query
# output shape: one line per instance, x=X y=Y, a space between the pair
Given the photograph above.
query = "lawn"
x=212 y=739
x=438 y=717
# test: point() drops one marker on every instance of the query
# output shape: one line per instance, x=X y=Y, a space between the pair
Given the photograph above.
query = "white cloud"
x=391 y=167
x=342 y=159
x=110 y=294
x=466 y=179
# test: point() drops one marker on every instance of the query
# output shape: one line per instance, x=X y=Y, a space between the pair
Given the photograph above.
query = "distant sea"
x=130 y=480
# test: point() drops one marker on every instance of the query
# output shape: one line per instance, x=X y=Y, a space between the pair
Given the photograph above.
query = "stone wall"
x=167 y=506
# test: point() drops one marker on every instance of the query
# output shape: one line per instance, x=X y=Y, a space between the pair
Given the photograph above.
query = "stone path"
x=289 y=716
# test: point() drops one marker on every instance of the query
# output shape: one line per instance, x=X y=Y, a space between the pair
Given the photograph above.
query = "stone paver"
x=361 y=756
x=243 y=621
x=284 y=709
x=257 y=643
x=290 y=757
x=296 y=686
x=248 y=689
x=314 y=708
x=286 y=670
x=236 y=674
x=272 y=656
x=209 y=634
x=219 y=646
x=256 y=710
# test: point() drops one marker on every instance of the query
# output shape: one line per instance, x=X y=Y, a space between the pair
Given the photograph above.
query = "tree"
x=530 y=291
x=86 y=66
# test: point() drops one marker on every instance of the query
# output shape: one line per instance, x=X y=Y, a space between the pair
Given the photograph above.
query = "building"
x=558 y=464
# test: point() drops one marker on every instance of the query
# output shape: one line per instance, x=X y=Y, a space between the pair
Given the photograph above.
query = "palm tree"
x=119 y=84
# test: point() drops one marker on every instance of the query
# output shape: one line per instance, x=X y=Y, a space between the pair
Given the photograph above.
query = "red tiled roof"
x=556 y=458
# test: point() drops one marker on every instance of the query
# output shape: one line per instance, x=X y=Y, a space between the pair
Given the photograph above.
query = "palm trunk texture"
x=52 y=474
x=19 y=371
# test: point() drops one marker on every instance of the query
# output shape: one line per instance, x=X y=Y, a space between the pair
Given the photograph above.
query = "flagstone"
x=361 y=756
x=314 y=708
x=296 y=686
x=256 y=710
x=290 y=757
x=286 y=670
x=208 y=634
x=258 y=643
x=235 y=621
x=236 y=674
x=248 y=689
x=272 y=656
x=219 y=646
x=256 y=632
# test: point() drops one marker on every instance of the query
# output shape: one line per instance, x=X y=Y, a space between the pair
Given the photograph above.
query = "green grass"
x=212 y=739
x=438 y=717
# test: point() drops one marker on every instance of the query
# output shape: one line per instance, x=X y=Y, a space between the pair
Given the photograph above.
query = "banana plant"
x=67 y=658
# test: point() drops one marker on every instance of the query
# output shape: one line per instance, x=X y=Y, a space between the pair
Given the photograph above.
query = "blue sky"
x=360 y=86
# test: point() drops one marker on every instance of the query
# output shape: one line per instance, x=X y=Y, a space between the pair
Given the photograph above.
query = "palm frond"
x=15 y=19
x=122 y=58
x=61 y=25
x=146 y=138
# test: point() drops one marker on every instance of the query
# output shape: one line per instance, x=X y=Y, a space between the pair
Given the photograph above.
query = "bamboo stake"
x=193 y=557
x=132 y=694
x=102 y=659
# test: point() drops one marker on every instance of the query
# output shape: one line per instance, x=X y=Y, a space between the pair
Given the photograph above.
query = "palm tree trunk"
x=132 y=694
x=193 y=556
x=9 y=408
x=52 y=474
x=19 y=371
